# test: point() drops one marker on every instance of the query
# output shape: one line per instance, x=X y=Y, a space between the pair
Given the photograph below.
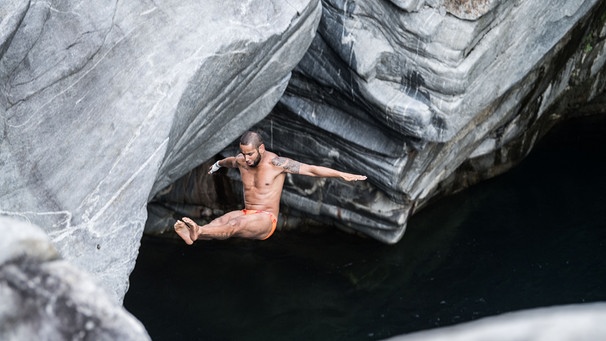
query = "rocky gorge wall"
x=107 y=106
x=427 y=99
x=424 y=97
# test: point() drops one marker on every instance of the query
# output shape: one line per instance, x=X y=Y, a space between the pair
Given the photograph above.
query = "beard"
x=256 y=162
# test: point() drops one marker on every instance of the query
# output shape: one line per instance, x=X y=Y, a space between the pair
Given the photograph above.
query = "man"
x=263 y=174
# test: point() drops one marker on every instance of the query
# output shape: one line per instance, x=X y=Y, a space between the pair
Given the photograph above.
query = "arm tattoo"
x=289 y=165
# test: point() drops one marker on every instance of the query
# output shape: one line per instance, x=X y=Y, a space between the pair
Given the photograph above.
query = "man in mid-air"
x=263 y=174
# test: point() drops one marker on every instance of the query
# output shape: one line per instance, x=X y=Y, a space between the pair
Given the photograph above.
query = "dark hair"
x=252 y=138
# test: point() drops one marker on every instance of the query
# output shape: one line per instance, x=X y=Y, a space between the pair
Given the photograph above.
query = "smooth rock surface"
x=104 y=103
x=45 y=298
x=583 y=322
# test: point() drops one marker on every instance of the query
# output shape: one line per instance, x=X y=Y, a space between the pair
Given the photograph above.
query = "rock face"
x=424 y=97
x=103 y=103
x=46 y=298
x=563 y=323
x=428 y=97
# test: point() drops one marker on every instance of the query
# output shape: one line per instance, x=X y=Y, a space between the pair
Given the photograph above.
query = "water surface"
x=534 y=237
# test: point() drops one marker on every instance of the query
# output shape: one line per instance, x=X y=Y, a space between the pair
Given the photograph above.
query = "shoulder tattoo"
x=289 y=165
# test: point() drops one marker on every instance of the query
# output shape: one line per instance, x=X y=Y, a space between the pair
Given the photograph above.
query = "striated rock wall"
x=104 y=103
x=429 y=97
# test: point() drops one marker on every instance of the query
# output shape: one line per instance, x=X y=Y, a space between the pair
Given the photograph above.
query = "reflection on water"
x=534 y=237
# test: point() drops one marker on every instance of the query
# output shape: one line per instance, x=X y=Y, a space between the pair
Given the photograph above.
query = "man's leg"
x=233 y=224
x=189 y=231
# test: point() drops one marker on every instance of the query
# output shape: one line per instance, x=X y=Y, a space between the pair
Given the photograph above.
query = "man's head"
x=252 y=147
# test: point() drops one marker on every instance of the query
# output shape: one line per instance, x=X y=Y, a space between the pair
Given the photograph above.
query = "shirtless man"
x=263 y=174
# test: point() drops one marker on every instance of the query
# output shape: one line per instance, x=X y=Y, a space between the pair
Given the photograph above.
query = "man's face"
x=251 y=154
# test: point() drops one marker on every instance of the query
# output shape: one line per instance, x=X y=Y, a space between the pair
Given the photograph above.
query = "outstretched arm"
x=296 y=167
x=229 y=162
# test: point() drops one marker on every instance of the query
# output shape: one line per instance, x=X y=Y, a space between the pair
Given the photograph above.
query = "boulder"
x=104 y=103
x=46 y=298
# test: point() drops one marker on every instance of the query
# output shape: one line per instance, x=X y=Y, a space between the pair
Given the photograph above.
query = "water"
x=534 y=237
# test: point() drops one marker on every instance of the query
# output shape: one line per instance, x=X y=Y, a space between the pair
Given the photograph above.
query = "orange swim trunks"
x=274 y=220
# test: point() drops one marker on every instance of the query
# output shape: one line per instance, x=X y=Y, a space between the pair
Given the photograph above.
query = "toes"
x=190 y=223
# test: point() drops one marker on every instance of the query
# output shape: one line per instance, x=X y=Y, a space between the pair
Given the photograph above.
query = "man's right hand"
x=215 y=167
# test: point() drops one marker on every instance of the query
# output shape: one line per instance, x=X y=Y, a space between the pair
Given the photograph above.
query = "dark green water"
x=534 y=237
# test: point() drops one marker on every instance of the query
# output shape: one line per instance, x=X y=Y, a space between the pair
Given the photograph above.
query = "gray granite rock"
x=104 y=103
x=107 y=105
x=581 y=322
x=424 y=97
x=428 y=98
x=45 y=298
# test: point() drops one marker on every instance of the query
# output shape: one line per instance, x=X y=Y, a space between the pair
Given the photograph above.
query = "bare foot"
x=183 y=231
x=193 y=228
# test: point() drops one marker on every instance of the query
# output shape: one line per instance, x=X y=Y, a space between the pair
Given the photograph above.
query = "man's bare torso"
x=262 y=184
